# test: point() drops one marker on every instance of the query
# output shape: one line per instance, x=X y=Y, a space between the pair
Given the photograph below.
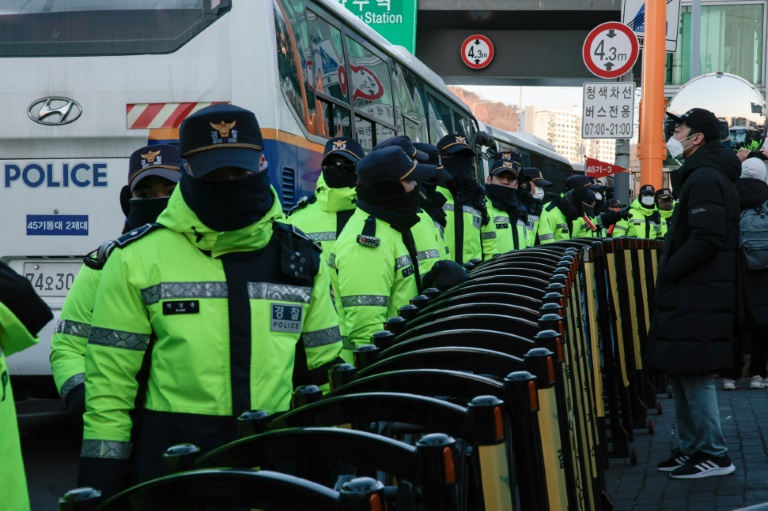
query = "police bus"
x=536 y=152
x=87 y=82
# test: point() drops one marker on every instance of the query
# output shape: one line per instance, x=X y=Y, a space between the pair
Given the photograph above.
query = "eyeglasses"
x=339 y=167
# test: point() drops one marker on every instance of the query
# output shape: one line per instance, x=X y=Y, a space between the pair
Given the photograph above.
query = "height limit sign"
x=610 y=50
x=477 y=51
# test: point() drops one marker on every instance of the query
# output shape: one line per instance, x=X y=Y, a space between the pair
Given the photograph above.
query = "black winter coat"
x=692 y=328
x=753 y=193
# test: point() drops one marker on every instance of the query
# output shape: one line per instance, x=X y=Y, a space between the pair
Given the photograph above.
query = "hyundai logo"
x=54 y=111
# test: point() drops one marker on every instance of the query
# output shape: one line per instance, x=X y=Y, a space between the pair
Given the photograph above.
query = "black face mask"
x=460 y=168
x=144 y=211
x=340 y=174
x=388 y=201
x=503 y=197
x=228 y=205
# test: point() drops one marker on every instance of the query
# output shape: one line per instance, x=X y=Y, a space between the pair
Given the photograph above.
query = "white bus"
x=86 y=82
x=536 y=152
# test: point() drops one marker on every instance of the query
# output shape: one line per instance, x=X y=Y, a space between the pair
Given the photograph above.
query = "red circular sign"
x=610 y=50
x=477 y=51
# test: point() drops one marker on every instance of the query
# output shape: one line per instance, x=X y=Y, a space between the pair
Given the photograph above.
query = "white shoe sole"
x=668 y=469
x=708 y=473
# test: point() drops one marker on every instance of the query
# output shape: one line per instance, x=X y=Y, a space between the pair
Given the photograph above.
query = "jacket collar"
x=179 y=217
x=334 y=199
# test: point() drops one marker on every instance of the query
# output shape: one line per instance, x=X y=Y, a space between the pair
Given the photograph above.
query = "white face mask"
x=647 y=200
x=675 y=146
x=598 y=196
x=539 y=193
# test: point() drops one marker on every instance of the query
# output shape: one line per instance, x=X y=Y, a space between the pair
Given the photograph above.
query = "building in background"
x=562 y=128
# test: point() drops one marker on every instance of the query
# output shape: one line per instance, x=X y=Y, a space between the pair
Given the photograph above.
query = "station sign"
x=609 y=110
x=395 y=20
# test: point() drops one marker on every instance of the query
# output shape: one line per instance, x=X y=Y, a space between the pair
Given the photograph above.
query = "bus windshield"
x=55 y=28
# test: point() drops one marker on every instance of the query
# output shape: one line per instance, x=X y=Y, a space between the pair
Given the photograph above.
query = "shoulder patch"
x=302 y=203
x=297 y=233
x=98 y=258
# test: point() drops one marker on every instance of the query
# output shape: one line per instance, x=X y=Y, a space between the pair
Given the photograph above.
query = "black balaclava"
x=463 y=182
x=340 y=179
x=228 y=205
x=387 y=200
x=144 y=211
x=432 y=202
x=503 y=198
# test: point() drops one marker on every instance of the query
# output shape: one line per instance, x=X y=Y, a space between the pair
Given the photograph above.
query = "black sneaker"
x=704 y=465
x=677 y=460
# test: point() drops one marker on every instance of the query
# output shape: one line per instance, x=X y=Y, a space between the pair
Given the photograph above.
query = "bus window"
x=335 y=119
x=370 y=133
x=93 y=27
x=440 y=119
x=286 y=63
x=372 y=92
x=328 y=58
x=417 y=91
x=294 y=53
x=409 y=104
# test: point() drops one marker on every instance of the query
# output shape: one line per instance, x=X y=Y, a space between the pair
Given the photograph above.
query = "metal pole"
x=621 y=181
x=652 y=147
x=695 y=39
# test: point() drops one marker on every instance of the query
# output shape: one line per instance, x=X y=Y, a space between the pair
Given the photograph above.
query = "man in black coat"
x=693 y=326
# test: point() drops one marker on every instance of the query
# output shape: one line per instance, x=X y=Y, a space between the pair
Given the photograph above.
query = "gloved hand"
x=444 y=275
x=611 y=217
x=75 y=402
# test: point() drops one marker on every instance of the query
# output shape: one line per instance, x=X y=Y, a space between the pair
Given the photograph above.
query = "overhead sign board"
x=610 y=50
x=609 y=110
x=633 y=15
x=477 y=51
x=395 y=20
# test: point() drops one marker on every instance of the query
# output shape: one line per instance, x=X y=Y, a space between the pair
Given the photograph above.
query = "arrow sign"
x=610 y=50
x=597 y=168
x=477 y=51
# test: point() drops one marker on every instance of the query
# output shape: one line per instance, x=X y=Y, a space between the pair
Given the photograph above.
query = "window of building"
x=731 y=42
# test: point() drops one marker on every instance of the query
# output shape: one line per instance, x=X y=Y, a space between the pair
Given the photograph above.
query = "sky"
x=539 y=96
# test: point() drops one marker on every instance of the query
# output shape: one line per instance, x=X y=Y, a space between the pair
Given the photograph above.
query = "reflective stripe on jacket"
x=473 y=222
x=370 y=282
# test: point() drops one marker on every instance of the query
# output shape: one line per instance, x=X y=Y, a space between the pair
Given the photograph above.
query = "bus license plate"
x=52 y=278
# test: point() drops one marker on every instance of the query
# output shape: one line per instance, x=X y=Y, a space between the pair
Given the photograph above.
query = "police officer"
x=573 y=216
x=218 y=310
x=323 y=216
x=666 y=206
x=431 y=201
x=22 y=315
x=531 y=195
x=507 y=229
x=644 y=220
x=465 y=207
x=430 y=246
x=373 y=262
x=153 y=172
